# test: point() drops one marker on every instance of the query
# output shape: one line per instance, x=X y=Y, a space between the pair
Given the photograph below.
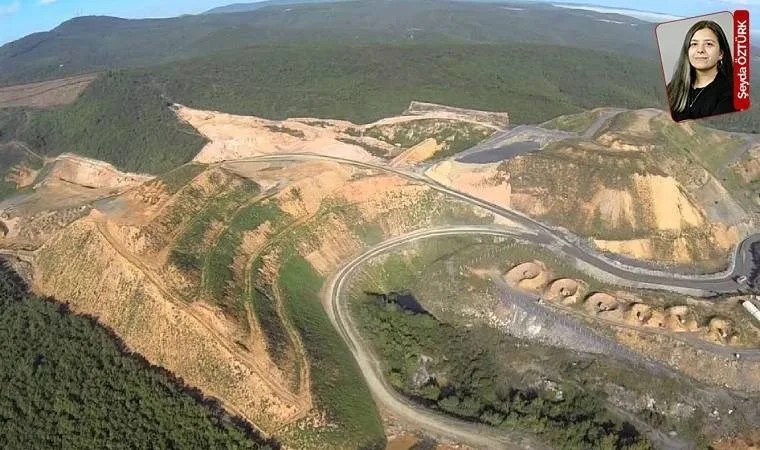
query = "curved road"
x=587 y=259
x=443 y=426
x=336 y=305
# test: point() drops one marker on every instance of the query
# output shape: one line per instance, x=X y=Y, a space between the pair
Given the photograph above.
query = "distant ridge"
x=253 y=6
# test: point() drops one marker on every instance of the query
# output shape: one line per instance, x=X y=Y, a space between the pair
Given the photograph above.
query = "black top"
x=715 y=98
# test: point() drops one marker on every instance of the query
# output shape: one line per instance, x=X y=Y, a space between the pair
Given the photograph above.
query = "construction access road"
x=526 y=228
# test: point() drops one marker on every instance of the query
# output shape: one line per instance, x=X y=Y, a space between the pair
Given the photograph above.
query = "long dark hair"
x=684 y=73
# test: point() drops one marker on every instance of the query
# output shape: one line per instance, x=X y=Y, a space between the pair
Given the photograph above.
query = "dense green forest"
x=355 y=60
x=87 y=44
x=532 y=82
x=468 y=381
x=121 y=118
x=67 y=382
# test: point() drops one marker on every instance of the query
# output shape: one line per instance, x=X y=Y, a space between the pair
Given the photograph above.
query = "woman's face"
x=704 y=50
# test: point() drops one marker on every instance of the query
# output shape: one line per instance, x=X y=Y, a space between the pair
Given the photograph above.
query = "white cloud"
x=7 y=10
x=46 y=2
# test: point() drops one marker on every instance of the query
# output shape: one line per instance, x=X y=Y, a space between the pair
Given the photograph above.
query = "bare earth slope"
x=630 y=187
x=213 y=270
x=45 y=94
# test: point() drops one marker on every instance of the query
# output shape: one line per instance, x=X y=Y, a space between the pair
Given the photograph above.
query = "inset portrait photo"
x=698 y=65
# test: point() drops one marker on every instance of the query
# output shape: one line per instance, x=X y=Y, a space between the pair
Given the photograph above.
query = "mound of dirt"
x=638 y=314
x=599 y=302
x=564 y=290
x=720 y=330
x=530 y=276
x=656 y=319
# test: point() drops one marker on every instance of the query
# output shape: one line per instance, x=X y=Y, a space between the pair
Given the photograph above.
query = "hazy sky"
x=21 y=17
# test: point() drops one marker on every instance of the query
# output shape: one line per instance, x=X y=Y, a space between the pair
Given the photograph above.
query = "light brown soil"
x=403 y=442
x=720 y=330
x=190 y=344
x=483 y=181
x=706 y=366
x=670 y=209
x=45 y=94
x=333 y=245
x=306 y=193
x=418 y=153
x=235 y=137
x=565 y=290
x=529 y=276
x=21 y=175
x=599 y=302
x=495 y=119
x=91 y=173
x=750 y=442
x=638 y=314
x=636 y=248
x=749 y=170
x=656 y=319
x=614 y=207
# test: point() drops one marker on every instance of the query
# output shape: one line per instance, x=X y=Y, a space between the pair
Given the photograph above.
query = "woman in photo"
x=702 y=83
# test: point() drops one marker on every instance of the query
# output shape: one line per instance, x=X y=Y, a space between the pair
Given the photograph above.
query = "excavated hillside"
x=214 y=269
x=634 y=182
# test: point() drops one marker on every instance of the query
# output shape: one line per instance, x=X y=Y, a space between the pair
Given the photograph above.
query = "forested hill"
x=88 y=44
x=123 y=116
x=68 y=383
x=244 y=7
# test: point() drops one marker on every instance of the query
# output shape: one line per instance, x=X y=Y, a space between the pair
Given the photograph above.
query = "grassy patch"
x=337 y=383
x=576 y=123
x=262 y=299
x=285 y=130
x=454 y=136
x=175 y=179
x=193 y=245
x=217 y=269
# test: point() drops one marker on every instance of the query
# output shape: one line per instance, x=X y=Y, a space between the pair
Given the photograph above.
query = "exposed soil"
x=418 y=153
x=235 y=137
x=142 y=312
x=45 y=94
x=480 y=180
x=669 y=208
x=615 y=208
x=495 y=119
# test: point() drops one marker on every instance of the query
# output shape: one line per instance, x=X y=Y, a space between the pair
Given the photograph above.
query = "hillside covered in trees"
x=66 y=382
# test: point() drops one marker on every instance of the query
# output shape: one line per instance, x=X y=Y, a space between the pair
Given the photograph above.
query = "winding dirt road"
x=334 y=300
